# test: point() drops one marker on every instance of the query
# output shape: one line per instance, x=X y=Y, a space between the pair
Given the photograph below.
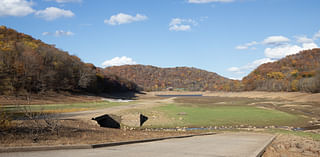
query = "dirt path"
x=140 y=104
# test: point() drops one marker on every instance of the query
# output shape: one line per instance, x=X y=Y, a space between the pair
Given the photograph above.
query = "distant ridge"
x=153 y=78
x=298 y=72
x=28 y=65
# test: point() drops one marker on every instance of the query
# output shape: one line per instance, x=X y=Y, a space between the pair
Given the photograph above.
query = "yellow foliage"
x=284 y=68
x=31 y=44
x=275 y=75
x=3 y=27
x=5 y=121
x=294 y=62
x=5 y=46
x=294 y=85
x=294 y=73
x=259 y=77
x=100 y=76
x=226 y=87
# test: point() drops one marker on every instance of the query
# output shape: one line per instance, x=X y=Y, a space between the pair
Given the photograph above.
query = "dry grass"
x=49 y=98
x=73 y=132
x=293 y=146
x=290 y=96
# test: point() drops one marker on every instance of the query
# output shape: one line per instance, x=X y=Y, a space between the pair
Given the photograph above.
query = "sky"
x=229 y=37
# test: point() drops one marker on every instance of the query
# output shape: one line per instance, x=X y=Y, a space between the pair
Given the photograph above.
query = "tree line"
x=153 y=78
x=31 y=66
x=299 y=72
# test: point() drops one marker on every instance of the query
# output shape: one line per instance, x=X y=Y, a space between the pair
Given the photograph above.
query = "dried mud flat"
x=293 y=146
x=291 y=96
x=74 y=132
x=86 y=132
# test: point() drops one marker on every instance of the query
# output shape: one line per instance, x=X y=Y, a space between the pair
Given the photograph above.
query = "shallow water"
x=195 y=95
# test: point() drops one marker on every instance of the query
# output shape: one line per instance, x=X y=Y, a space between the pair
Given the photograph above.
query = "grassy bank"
x=178 y=115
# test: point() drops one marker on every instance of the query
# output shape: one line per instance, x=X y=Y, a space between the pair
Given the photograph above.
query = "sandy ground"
x=143 y=103
x=293 y=146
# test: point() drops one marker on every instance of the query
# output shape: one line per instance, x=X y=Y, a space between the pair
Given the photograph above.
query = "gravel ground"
x=74 y=132
x=293 y=146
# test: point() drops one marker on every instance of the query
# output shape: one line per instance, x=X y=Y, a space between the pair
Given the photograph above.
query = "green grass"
x=310 y=135
x=230 y=116
x=63 y=107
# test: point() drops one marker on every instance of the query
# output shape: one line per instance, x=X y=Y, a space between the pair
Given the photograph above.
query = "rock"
x=308 y=153
x=293 y=150
x=182 y=113
x=298 y=145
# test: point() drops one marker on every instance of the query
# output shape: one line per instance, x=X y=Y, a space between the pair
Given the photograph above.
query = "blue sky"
x=229 y=37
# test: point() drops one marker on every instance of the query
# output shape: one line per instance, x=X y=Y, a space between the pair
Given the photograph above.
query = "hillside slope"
x=299 y=72
x=28 y=65
x=153 y=78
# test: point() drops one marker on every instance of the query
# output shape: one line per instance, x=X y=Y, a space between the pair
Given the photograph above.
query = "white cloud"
x=276 y=47
x=284 y=50
x=67 y=1
x=208 y=1
x=258 y=62
x=235 y=78
x=275 y=40
x=180 y=28
x=53 y=13
x=247 y=46
x=234 y=69
x=203 y=18
x=117 y=61
x=59 y=33
x=122 y=18
x=241 y=47
x=63 y=33
x=250 y=66
x=303 y=39
x=178 y=24
x=15 y=7
x=45 y=33
x=316 y=36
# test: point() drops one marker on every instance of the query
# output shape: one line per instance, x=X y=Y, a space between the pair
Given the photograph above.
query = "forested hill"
x=154 y=78
x=28 y=65
x=299 y=72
